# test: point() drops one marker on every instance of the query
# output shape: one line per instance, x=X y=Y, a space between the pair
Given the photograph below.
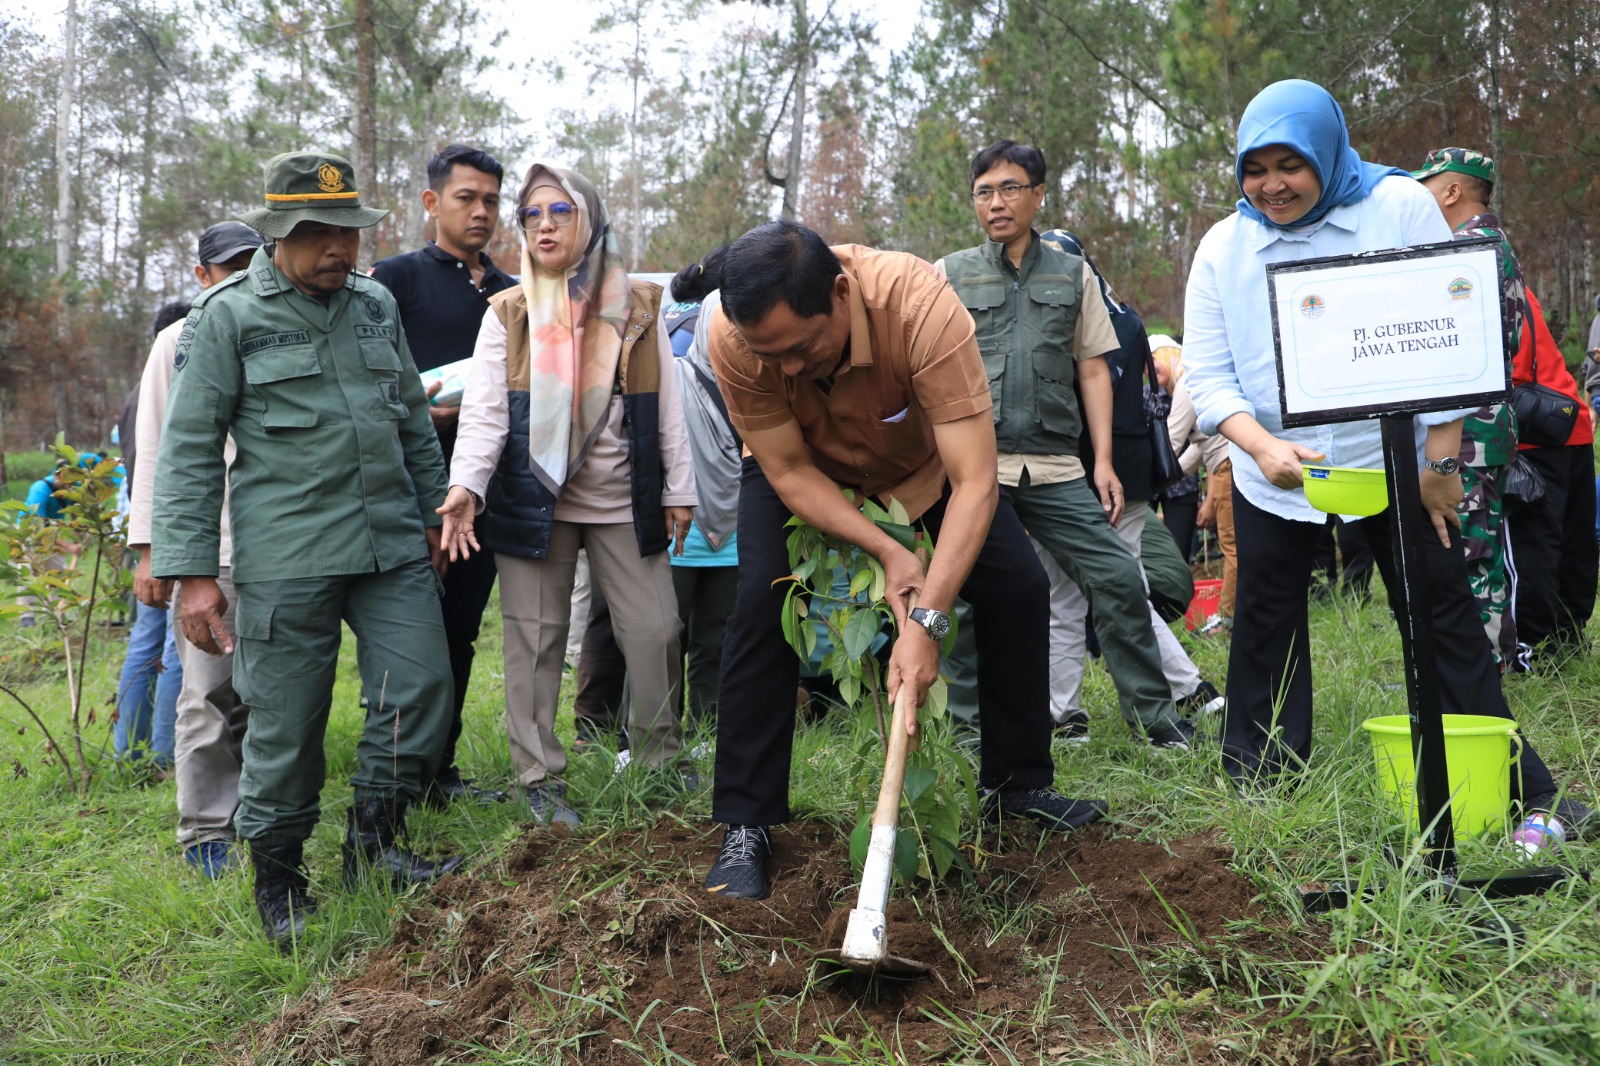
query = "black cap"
x=222 y=242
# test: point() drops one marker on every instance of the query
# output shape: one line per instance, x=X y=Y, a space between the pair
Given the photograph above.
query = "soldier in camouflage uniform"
x=1462 y=181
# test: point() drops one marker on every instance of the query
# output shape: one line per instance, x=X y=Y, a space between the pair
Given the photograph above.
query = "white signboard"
x=1418 y=329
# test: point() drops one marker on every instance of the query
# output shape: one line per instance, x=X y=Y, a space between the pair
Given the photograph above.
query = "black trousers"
x=1181 y=516
x=602 y=672
x=1009 y=595
x=1342 y=541
x=1553 y=544
x=1269 y=662
x=467 y=586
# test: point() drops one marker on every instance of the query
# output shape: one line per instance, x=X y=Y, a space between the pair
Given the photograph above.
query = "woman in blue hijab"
x=1306 y=194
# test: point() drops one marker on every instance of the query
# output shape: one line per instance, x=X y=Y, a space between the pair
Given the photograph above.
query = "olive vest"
x=1026 y=323
x=518 y=509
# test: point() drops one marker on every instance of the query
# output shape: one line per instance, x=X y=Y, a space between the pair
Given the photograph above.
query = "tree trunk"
x=635 y=164
x=69 y=71
x=797 y=129
x=1497 y=200
x=366 y=161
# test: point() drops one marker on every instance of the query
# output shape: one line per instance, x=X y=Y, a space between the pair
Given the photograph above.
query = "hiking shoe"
x=212 y=858
x=1216 y=625
x=547 y=803
x=1179 y=736
x=1046 y=806
x=374 y=828
x=1576 y=817
x=449 y=787
x=1205 y=699
x=740 y=870
x=1075 y=730
x=283 y=899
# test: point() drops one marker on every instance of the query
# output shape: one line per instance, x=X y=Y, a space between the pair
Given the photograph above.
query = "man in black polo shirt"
x=443 y=290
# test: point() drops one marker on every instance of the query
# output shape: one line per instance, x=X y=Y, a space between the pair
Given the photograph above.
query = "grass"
x=113 y=951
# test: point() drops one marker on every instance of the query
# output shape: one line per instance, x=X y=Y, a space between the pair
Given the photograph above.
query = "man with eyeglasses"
x=443 y=290
x=1041 y=328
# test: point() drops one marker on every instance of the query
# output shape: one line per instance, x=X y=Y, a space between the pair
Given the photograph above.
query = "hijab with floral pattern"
x=576 y=322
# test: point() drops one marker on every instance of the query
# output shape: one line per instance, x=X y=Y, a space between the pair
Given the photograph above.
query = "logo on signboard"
x=1312 y=306
x=1460 y=289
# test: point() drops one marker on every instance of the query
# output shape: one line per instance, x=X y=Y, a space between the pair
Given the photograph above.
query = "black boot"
x=369 y=841
x=282 y=896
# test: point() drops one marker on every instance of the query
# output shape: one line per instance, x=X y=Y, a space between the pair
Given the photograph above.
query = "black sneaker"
x=1205 y=699
x=740 y=870
x=1576 y=817
x=1075 y=730
x=1179 y=736
x=547 y=803
x=449 y=787
x=1045 y=806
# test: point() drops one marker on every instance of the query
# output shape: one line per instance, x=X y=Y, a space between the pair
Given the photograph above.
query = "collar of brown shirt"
x=913 y=363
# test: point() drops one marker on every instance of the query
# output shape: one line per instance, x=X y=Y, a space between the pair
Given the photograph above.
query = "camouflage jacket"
x=1489 y=434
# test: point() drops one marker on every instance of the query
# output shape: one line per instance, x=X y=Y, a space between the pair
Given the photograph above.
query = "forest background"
x=699 y=119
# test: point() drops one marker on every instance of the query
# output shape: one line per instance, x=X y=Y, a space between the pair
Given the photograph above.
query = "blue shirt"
x=697 y=550
x=42 y=499
x=1227 y=329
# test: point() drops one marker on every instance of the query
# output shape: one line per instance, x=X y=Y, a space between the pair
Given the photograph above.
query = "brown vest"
x=636 y=376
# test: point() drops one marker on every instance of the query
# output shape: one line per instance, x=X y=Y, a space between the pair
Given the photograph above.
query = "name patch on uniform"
x=383 y=332
x=274 y=340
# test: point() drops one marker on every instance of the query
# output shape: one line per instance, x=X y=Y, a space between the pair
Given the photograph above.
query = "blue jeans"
x=147 y=694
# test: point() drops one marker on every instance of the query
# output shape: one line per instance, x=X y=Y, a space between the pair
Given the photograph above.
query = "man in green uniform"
x=1041 y=327
x=334 y=486
x=1462 y=181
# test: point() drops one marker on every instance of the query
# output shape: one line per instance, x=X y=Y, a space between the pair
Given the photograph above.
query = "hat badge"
x=329 y=179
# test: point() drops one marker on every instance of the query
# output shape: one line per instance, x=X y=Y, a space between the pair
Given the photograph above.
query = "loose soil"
x=586 y=941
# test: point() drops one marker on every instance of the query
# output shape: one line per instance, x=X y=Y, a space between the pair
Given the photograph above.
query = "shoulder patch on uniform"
x=186 y=335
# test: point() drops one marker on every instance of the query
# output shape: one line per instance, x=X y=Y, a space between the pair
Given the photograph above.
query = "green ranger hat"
x=310 y=187
x=1459 y=161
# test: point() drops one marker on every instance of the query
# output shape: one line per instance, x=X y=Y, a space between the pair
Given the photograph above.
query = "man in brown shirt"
x=854 y=368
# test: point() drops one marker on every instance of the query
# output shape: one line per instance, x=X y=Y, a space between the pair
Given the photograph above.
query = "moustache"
x=340 y=267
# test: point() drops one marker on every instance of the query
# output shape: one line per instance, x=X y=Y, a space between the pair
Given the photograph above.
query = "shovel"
x=866 y=937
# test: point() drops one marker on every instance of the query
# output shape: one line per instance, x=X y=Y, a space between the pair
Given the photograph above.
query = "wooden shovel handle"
x=887 y=811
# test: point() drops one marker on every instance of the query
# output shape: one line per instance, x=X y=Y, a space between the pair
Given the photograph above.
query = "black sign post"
x=1395 y=407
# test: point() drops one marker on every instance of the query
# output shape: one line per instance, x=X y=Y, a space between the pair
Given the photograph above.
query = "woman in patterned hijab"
x=572 y=435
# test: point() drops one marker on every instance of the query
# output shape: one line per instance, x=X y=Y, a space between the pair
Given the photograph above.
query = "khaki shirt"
x=913 y=363
x=1093 y=336
x=338 y=468
x=154 y=385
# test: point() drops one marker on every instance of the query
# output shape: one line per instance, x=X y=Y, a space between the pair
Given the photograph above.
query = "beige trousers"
x=536 y=606
x=209 y=734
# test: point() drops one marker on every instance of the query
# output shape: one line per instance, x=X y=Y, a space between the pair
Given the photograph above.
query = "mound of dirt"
x=595 y=940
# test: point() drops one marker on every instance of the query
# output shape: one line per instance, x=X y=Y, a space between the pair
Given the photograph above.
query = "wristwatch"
x=937 y=623
x=1448 y=465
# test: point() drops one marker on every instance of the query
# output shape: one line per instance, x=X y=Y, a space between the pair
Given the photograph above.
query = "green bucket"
x=1478 y=750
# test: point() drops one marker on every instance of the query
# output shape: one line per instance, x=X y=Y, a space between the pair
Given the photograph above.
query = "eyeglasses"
x=561 y=214
x=1008 y=193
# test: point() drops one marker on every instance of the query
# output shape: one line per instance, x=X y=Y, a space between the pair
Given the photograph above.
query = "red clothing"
x=1552 y=371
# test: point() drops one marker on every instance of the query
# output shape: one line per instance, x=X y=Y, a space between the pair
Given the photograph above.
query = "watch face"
x=1447 y=465
x=937 y=623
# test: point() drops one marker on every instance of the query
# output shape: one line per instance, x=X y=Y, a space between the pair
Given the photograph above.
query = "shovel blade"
x=866 y=948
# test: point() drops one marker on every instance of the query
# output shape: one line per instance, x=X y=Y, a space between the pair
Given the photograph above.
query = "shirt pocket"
x=1053 y=301
x=986 y=302
x=1057 y=401
x=286 y=381
x=383 y=364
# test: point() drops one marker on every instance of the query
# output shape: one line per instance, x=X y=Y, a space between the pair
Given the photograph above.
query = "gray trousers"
x=536 y=608
x=209 y=737
x=1066 y=519
x=1069 y=609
